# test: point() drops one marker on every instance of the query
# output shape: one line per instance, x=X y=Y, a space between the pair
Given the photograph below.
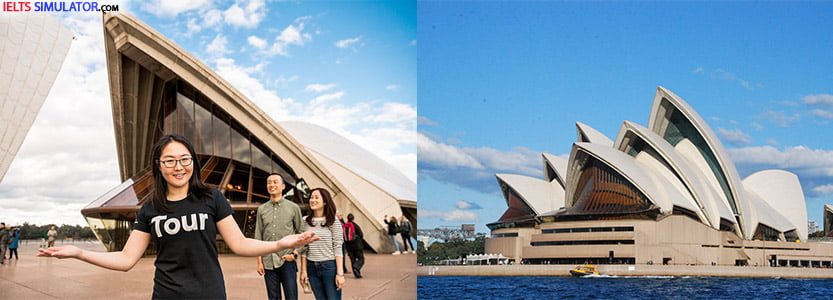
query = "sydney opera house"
x=667 y=193
x=158 y=88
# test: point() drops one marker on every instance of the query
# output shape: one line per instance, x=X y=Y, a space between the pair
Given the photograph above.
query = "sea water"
x=621 y=287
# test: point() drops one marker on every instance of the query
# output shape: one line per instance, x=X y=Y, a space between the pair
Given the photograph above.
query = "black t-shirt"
x=186 y=259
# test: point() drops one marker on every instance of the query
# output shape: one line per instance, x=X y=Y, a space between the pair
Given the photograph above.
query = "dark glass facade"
x=766 y=233
x=602 y=191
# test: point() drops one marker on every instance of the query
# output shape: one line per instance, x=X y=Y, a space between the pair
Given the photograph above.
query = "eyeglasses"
x=170 y=163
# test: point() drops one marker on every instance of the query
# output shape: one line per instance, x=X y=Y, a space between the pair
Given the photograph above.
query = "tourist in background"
x=355 y=246
x=321 y=266
x=405 y=231
x=276 y=219
x=393 y=229
x=343 y=245
x=51 y=236
x=15 y=242
x=183 y=216
x=4 y=242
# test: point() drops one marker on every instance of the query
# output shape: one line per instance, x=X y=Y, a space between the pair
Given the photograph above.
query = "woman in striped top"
x=321 y=265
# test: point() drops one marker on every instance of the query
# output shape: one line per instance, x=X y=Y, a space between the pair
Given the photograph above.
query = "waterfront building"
x=667 y=193
x=158 y=88
x=828 y=220
x=33 y=47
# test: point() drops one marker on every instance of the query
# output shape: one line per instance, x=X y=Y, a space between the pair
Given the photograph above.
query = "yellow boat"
x=584 y=270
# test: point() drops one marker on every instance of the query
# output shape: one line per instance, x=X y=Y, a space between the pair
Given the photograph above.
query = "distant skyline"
x=500 y=83
x=347 y=66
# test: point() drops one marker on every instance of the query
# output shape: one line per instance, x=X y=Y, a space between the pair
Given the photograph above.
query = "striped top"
x=329 y=246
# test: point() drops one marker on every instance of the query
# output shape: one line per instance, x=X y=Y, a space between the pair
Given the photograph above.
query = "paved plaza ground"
x=385 y=277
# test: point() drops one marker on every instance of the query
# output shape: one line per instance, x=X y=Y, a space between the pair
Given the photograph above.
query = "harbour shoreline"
x=630 y=270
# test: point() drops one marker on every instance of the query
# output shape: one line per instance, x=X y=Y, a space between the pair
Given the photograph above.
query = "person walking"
x=15 y=242
x=321 y=266
x=355 y=246
x=51 y=236
x=183 y=217
x=405 y=231
x=343 y=245
x=276 y=219
x=5 y=239
x=393 y=229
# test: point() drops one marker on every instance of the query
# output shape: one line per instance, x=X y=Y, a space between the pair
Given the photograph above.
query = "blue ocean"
x=614 y=287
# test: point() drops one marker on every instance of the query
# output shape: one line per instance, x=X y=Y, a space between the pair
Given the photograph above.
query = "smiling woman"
x=184 y=216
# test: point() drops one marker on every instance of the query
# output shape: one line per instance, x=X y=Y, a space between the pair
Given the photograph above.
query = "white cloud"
x=467 y=205
x=347 y=42
x=257 y=42
x=816 y=162
x=824 y=190
x=246 y=14
x=208 y=19
x=734 y=137
x=319 y=87
x=820 y=99
x=814 y=167
x=824 y=114
x=169 y=9
x=422 y=120
x=729 y=77
x=392 y=87
x=473 y=168
x=327 y=97
x=395 y=112
x=291 y=35
x=432 y=152
x=780 y=118
x=217 y=46
x=242 y=80
x=455 y=215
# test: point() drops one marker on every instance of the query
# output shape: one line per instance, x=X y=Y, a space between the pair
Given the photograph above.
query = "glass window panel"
x=260 y=160
x=238 y=186
x=259 y=192
x=276 y=168
x=222 y=136
x=203 y=141
x=240 y=146
x=217 y=172
x=169 y=115
x=185 y=113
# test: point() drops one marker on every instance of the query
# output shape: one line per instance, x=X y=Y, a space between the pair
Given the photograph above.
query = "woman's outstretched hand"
x=60 y=252
x=297 y=240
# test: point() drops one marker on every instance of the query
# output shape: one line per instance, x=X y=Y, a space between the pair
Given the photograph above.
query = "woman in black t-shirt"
x=183 y=218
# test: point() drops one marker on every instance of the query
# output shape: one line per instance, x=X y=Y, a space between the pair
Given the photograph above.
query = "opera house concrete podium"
x=662 y=194
x=158 y=88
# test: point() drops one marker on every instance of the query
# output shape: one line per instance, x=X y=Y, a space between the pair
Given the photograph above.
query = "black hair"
x=296 y=195
x=329 y=208
x=160 y=192
x=350 y=217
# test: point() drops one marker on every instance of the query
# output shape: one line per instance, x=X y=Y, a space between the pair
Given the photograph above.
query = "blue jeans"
x=286 y=276
x=322 y=279
x=393 y=240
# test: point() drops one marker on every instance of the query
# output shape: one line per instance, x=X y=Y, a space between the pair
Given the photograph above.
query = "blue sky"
x=347 y=66
x=500 y=83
